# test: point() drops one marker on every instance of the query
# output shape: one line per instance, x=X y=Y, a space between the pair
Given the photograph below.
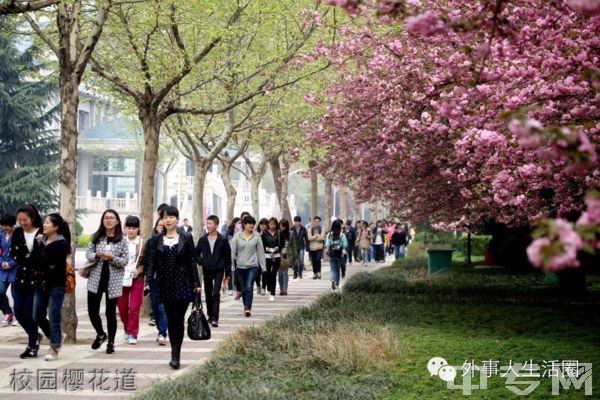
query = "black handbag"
x=198 y=328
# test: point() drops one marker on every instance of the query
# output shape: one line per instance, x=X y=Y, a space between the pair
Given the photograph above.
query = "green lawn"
x=374 y=341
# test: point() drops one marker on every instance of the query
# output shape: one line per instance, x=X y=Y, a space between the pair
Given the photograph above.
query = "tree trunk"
x=69 y=103
x=200 y=171
x=229 y=188
x=165 y=196
x=286 y=212
x=328 y=204
x=343 y=203
x=314 y=190
x=151 y=124
x=255 y=195
x=281 y=192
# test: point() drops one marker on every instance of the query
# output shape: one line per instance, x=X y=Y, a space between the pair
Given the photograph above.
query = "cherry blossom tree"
x=471 y=111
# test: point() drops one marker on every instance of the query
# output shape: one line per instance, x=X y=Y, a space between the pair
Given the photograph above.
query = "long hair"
x=263 y=221
x=231 y=227
x=101 y=232
x=284 y=232
x=33 y=213
x=63 y=228
x=336 y=229
x=273 y=220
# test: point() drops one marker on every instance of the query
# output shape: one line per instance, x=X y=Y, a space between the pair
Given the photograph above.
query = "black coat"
x=399 y=238
x=219 y=259
x=25 y=279
x=186 y=259
x=50 y=264
x=301 y=238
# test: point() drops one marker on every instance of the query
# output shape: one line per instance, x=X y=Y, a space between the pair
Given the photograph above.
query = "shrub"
x=478 y=244
x=84 y=240
x=416 y=250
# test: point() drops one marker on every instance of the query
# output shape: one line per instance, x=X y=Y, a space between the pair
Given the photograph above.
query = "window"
x=83 y=121
x=189 y=167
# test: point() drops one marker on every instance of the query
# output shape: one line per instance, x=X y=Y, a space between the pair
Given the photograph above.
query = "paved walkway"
x=96 y=375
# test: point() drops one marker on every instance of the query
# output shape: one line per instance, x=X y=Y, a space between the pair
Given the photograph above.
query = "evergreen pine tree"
x=28 y=151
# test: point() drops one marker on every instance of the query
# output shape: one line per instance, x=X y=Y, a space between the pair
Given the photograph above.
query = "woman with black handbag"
x=172 y=257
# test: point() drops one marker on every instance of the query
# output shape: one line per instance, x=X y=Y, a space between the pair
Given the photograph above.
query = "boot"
x=174 y=363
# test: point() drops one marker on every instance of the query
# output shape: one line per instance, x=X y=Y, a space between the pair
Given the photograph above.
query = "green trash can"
x=439 y=260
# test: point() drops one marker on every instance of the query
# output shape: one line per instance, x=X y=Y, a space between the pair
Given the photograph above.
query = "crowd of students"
x=122 y=267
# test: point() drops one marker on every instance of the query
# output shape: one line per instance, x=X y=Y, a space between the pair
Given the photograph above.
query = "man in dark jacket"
x=214 y=255
x=301 y=237
x=350 y=233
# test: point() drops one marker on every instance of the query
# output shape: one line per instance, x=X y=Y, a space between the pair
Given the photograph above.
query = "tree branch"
x=41 y=34
x=21 y=7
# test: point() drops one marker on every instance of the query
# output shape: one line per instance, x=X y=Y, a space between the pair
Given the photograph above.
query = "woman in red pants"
x=130 y=301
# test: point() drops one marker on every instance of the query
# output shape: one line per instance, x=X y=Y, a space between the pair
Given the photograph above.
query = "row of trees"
x=211 y=76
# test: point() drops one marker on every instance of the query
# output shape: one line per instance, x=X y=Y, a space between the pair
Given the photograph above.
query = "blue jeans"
x=246 y=278
x=371 y=253
x=334 y=265
x=4 y=304
x=399 y=251
x=366 y=257
x=158 y=310
x=49 y=302
x=283 y=279
x=24 y=313
x=299 y=266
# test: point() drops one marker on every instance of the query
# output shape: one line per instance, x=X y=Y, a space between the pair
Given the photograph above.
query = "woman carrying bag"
x=108 y=250
x=172 y=260
x=289 y=255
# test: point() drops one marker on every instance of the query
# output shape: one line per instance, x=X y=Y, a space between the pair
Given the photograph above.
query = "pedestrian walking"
x=130 y=302
x=108 y=250
x=336 y=246
x=8 y=267
x=301 y=236
x=399 y=241
x=214 y=256
x=262 y=276
x=23 y=250
x=232 y=283
x=272 y=246
x=316 y=240
x=172 y=261
x=158 y=309
x=247 y=254
x=289 y=255
x=50 y=272
x=379 y=235
x=363 y=241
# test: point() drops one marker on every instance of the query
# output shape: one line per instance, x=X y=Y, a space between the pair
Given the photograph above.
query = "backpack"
x=336 y=250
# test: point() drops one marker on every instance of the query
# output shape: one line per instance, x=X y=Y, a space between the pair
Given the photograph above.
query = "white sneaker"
x=126 y=336
x=132 y=340
x=162 y=341
x=231 y=292
x=8 y=320
x=271 y=298
x=52 y=355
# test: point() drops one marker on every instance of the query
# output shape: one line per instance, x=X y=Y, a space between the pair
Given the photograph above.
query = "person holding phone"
x=110 y=252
